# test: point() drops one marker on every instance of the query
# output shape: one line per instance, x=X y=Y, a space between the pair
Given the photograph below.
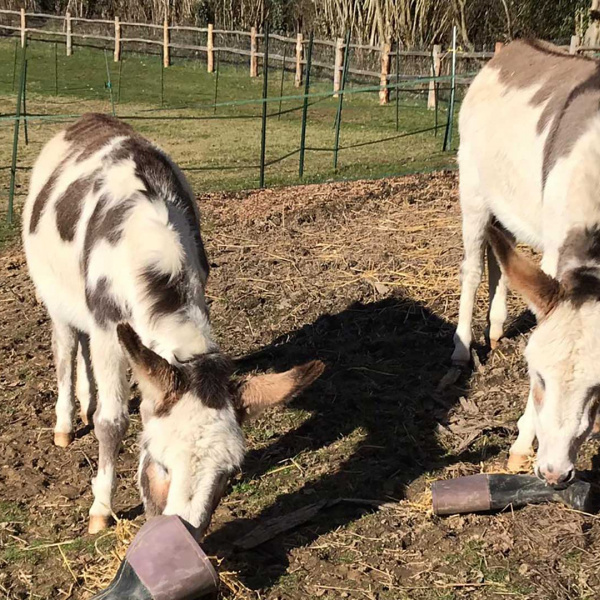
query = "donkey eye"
x=541 y=381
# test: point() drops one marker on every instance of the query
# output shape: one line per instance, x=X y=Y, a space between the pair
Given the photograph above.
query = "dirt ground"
x=363 y=276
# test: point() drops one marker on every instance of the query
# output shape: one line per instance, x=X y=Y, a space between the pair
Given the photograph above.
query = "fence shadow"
x=384 y=361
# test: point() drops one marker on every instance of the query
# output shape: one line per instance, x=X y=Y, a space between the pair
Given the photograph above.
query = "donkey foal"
x=112 y=239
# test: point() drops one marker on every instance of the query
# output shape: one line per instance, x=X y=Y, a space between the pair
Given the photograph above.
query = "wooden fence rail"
x=295 y=57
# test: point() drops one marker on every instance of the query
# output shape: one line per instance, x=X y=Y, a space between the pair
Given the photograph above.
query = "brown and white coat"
x=112 y=238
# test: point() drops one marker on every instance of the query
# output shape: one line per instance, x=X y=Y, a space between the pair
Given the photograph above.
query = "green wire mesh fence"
x=167 y=104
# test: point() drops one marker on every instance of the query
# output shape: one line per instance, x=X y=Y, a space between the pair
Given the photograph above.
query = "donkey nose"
x=555 y=478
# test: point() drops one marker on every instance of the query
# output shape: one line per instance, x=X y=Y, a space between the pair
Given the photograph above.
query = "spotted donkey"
x=530 y=158
x=112 y=238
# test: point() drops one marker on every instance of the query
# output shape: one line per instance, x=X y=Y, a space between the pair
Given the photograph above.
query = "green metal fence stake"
x=13 y=167
x=338 y=118
x=55 y=69
x=162 y=82
x=397 y=84
x=305 y=105
x=217 y=79
x=15 y=65
x=109 y=84
x=435 y=95
x=121 y=61
x=25 y=124
x=281 y=86
x=450 y=122
x=265 y=93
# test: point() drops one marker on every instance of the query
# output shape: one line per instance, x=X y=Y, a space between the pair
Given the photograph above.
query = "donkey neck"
x=179 y=336
x=174 y=315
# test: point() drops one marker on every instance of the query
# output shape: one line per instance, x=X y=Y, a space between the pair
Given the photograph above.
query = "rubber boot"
x=484 y=492
x=163 y=562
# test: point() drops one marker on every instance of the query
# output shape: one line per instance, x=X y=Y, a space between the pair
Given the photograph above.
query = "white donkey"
x=530 y=159
x=112 y=237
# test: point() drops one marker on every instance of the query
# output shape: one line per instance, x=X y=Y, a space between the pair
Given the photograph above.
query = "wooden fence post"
x=69 y=30
x=117 y=40
x=574 y=44
x=498 y=47
x=166 y=55
x=23 y=27
x=253 y=58
x=339 y=61
x=384 y=92
x=435 y=72
x=298 y=77
x=210 y=55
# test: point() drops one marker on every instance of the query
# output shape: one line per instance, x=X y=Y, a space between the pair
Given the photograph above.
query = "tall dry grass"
x=414 y=22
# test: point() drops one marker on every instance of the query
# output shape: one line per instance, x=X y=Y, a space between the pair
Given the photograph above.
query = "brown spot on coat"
x=42 y=198
x=104 y=224
x=103 y=305
x=167 y=292
x=581 y=285
x=582 y=245
x=93 y=131
x=69 y=206
x=569 y=88
x=208 y=376
x=577 y=272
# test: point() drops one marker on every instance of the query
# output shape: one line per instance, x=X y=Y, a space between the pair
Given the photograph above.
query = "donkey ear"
x=159 y=381
x=541 y=291
x=258 y=392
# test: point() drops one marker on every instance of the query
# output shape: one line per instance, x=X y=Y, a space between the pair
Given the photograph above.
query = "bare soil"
x=364 y=276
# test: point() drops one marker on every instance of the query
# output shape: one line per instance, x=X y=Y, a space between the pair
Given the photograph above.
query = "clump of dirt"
x=364 y=276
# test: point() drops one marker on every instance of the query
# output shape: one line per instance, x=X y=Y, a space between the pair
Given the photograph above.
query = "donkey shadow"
x=384 y=361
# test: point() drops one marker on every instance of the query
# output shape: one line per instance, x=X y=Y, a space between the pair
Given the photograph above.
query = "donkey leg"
x=522 y=448
x=111 y=420
x=476 y=217
x=498 y=292
x=86 y=387
x=550 y=261
x=64 y=347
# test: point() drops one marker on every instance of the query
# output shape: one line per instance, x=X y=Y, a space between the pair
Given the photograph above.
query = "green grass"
x=12 y=512
x=222 y=153
x=474 y=558
x=8 y=233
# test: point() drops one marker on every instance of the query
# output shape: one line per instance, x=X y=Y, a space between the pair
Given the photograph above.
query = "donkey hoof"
x=98 y=523
x=494 y=344
x=62 y=440
x=517 y=463
x=461 y=357
x=85 y=419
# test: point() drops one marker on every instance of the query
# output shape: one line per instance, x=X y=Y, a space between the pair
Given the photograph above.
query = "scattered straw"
x=67 y=564
x=99 y=573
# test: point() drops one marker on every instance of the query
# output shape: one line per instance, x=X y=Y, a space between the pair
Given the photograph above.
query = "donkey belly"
x=501 y=154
